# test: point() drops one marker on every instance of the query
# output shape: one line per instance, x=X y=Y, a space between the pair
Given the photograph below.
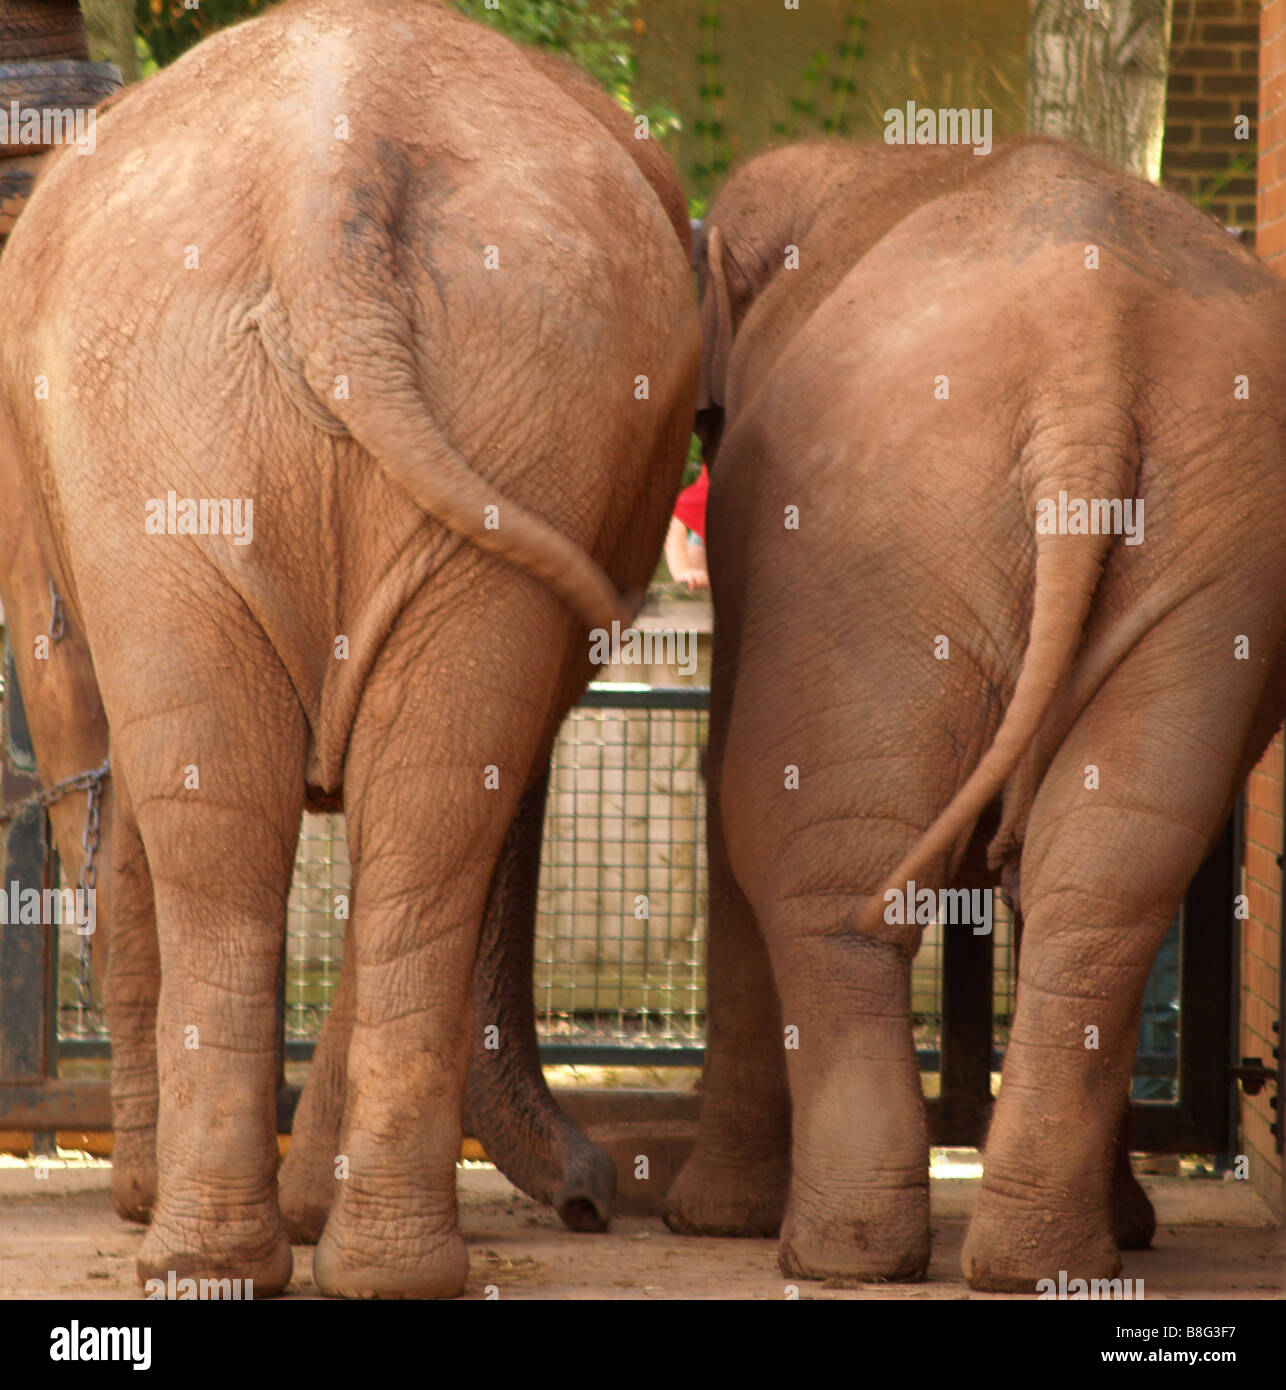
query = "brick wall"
x=1214 y=78
x=1272 y=135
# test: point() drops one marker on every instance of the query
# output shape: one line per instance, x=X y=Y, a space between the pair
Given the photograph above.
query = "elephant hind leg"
x=1134 y=1222
x=859 y=1194
x=858 y=1206
x=1104 y=870
x=132 y=986
x=816 y=805
x=449 y=731
x=219 y=840
x=508 y=1106
x=1133 y=1219
x=736 y=1181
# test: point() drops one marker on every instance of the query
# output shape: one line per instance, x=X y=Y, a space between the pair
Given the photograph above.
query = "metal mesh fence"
x=620 y=919
x=621 y=911
x=926 y=982
x=316 y=913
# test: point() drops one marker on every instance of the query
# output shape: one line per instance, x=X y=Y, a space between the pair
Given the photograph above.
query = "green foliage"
x=820 y=107
x=109 y=26
x=1241 y=166
x=716 y=156
x=695 y=459
x=147 y=63
x=169 y=29
x=823 y=73
x=596 y=34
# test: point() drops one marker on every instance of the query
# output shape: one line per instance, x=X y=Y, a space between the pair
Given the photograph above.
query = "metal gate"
x=620 y=930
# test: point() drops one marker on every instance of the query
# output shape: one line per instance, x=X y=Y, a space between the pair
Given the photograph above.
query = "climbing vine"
x=821 y=104
x=831 y=72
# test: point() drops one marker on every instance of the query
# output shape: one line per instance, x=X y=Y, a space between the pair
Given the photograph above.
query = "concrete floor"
x=59 y=1238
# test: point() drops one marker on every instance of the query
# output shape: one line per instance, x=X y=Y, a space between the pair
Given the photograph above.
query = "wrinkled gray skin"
x=452 y=466
x=916 y=521
x=508 y=1106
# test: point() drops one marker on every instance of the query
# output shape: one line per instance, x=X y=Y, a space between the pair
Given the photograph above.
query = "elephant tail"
x=384 y=411
x=404 y=438
x=1067 y=574
x=446 y=488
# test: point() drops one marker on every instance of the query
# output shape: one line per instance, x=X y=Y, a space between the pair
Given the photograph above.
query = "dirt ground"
x=59 y=1238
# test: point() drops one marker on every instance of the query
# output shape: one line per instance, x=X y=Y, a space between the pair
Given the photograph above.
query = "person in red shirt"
x=685 y=542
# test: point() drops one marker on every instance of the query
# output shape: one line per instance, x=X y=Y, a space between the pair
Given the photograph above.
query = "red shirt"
x=690 y=507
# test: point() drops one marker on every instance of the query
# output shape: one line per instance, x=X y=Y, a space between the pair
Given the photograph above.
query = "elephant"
x=509 y=1107
x=931 y=669
x=356 y=378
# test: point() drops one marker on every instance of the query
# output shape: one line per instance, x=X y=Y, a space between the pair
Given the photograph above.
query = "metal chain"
x=81 y=782
x=88 y=882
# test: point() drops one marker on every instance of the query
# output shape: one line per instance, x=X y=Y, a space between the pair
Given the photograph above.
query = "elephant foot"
x=171 y=1255
x=741 y=1199
x=1134 y=1222
x=436 y=1266
x=305 y=1191
x=134 y=1175
x=880 y=1237
x=1029 y=1249
x=304 y=1216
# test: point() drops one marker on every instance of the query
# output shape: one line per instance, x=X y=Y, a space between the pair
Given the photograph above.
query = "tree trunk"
x=111 y=35
x=1097 y=76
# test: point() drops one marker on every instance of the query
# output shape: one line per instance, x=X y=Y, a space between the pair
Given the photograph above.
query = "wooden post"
x=44 y=63
x=28 y=954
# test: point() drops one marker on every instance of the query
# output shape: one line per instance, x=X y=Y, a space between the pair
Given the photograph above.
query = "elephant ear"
x=716 y=325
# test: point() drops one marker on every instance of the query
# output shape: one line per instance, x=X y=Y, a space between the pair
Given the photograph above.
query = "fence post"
x=28 y=953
